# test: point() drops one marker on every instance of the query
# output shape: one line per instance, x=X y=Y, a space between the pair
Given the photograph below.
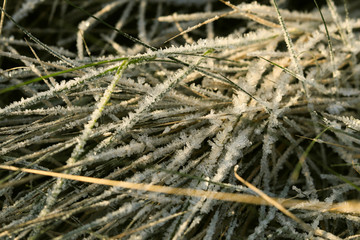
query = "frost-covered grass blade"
x=138 y=139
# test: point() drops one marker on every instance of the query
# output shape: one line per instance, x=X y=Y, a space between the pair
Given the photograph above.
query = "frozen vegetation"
x=215 y=120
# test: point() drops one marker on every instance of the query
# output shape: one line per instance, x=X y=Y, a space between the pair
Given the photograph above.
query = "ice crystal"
x=271 y=90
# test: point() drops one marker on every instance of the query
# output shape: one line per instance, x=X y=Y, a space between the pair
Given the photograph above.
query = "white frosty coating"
x=161 y=217
x=338 y=21
x=38 y=137
x=179 y=119
x=95 y=116
x=8 y=210
x=157 y=93
x=121 y=212
x=212 y=227
x=217 y=147
x=56 y=110
x=201 y=46
x=269 y=140
x=231 y=229
x=225 y=165
x=123 y=151
x=81 y=141
x=275 y=54
x=192 y=142
x=254 y=7
x=190 y=217
x=76 y=82
x=220 y=43
x=261 y=228
x=351 y=122
x=335 y=108
x=289 y=43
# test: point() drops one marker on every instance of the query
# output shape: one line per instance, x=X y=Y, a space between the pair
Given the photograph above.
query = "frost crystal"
x=165 y=98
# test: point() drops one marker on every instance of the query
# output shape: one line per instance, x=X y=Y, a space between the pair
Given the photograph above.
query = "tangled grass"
x=243 y=126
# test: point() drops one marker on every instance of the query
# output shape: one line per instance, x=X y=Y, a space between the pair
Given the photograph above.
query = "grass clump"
x=245 y=125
